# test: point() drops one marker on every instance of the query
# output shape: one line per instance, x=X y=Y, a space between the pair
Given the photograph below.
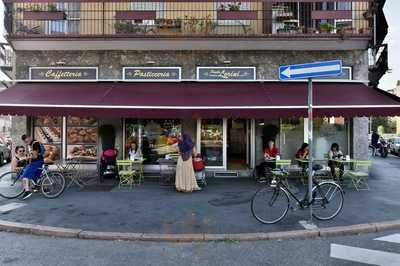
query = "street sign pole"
x=310 y=143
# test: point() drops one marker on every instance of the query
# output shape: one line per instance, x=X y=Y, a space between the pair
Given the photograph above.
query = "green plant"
x=52 y=8
x=128 y=27
x=36 y=8
x=230 y=7
x=326 y=27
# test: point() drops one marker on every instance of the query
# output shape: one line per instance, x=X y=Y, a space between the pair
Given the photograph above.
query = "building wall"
x=110 y=65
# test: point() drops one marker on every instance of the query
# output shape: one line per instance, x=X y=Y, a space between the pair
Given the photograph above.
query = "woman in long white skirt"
x=185 y=179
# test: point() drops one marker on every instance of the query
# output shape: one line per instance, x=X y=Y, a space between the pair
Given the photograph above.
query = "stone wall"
x=110 y=63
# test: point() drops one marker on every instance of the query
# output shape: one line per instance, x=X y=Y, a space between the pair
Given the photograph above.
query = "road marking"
x=395 y=238
x=11 y=206
x=363 y=255
x=308 y=225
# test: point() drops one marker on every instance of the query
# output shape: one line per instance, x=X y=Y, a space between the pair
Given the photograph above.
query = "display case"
x=48 y=130
x=82 y=138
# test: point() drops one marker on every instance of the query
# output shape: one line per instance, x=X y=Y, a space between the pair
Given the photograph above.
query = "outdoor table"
x=345 y=162
x=70 y=169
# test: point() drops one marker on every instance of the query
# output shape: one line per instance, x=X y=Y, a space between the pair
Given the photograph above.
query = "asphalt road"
x=34 y=250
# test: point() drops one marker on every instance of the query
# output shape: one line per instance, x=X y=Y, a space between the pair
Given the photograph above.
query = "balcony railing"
x=166 y=18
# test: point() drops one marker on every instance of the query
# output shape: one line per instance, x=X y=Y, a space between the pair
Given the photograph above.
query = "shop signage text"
x=226 y=73
x=152 y=73
x=63 y=73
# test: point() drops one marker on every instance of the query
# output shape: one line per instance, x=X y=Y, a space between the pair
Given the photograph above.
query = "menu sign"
x=152 y=73
x=63 y=73
x=226 y=73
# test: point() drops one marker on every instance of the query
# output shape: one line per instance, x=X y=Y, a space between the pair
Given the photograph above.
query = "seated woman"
x=302 y=154
x=335 y=154
x=134 y=152
x=19 y=160
x=270 y=153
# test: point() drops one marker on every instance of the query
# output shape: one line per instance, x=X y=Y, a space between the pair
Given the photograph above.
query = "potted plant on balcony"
x=233 y=12
x=127 y=27
x=168 y=26
x=38 y=12
x=326 y=27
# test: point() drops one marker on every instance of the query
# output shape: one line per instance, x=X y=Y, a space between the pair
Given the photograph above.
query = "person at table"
x=374 y=142
x=134 y=152
x=19 y=160
x=302 y=154
x=270 y=153
x=335 y=154
x=185 y=179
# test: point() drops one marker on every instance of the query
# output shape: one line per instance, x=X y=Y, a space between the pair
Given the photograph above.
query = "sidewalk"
x=222 y=207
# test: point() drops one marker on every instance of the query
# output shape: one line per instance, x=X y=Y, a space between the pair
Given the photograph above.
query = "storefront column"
x=359 y=138
x=19 y=125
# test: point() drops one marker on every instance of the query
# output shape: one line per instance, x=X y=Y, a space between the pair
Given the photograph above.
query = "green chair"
x=359 y=176
x=126 y=173
x=137 y=167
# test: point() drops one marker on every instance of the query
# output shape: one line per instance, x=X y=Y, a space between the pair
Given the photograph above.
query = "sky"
x=391 y=9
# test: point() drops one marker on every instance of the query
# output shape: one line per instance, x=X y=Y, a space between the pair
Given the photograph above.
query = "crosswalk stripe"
x=363 y=255
x=395 y=238
x=11 y=206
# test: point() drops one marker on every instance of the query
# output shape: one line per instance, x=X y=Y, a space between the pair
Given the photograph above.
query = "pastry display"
x=52 y=153
x=48 y=121
x=81 y=121
x=82 y=135
x=48 y=134
x=82 y=152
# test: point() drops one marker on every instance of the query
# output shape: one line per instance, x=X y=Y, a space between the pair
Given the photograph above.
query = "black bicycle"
x=50 y=184
x=271 y=203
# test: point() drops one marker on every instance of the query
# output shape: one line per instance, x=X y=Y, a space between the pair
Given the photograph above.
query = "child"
x=199 y=169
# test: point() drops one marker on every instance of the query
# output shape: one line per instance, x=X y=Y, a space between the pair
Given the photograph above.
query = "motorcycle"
x=383 y=148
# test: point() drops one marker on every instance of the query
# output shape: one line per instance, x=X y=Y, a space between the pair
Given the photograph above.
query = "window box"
x=132 y=15
x=44 y=15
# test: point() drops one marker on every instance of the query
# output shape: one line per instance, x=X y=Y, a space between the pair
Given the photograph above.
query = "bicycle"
x=271 y=203
x=51 y=184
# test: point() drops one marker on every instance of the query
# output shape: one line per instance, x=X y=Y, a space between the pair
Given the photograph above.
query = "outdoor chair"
x=127 y=175
x=359 y=176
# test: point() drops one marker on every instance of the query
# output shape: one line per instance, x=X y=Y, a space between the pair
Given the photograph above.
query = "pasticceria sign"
x=63 y=73
x=152 y=73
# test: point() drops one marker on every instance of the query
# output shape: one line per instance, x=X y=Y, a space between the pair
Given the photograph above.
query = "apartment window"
x=159 y=7
x=343 y=23
x=69 y=26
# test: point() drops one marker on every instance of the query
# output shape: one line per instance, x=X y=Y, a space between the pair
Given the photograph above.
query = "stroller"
x=199 y=170
x=108 y=164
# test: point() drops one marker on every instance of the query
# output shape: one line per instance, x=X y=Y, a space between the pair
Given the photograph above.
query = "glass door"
x=212 y=142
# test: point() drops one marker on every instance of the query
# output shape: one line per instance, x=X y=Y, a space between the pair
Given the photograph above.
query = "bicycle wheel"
x=270 y=204
x=11 y=185
x=327 y=200
x=52 y=185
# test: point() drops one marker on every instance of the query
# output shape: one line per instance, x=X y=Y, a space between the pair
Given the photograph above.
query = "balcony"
x=195 y=24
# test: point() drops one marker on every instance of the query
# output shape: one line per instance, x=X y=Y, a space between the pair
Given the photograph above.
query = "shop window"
x=159 y=7
x=211 y=142
x=82 y=138
x=156 y=138
x=47 y=130
x=328 y=131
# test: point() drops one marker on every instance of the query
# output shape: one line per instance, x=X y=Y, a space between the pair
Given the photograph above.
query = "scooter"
x=383 y=148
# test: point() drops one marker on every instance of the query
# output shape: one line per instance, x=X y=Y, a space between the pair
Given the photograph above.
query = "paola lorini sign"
x=63 y=73
x=226 y=73
x=151 y=73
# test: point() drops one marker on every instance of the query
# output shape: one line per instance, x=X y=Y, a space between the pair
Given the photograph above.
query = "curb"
x=41 y=230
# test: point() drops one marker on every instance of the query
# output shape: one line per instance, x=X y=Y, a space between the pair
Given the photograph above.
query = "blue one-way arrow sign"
x=311 y=70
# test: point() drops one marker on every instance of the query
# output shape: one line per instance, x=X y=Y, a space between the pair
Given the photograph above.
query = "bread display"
x=81 y=121
x=82 y=152
x=77 y=135
x=52 y=153
x=48 y=134
x=48 y=121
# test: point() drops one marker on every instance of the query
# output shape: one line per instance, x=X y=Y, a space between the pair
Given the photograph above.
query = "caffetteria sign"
x=226 y=73
x=151 y=73
x=63 y=73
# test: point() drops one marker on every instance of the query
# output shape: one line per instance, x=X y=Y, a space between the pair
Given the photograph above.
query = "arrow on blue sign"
x=311 y=70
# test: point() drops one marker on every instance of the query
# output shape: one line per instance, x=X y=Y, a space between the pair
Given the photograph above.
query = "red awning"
x=195 y=99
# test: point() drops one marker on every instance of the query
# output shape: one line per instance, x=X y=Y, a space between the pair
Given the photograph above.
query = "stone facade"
x=110 y=63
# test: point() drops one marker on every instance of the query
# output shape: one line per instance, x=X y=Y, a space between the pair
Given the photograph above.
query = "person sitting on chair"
x=302 y=154
x=19 y=160
x=335 y=154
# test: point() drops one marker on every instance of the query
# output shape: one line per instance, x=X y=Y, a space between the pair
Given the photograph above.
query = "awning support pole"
x=310 y=144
